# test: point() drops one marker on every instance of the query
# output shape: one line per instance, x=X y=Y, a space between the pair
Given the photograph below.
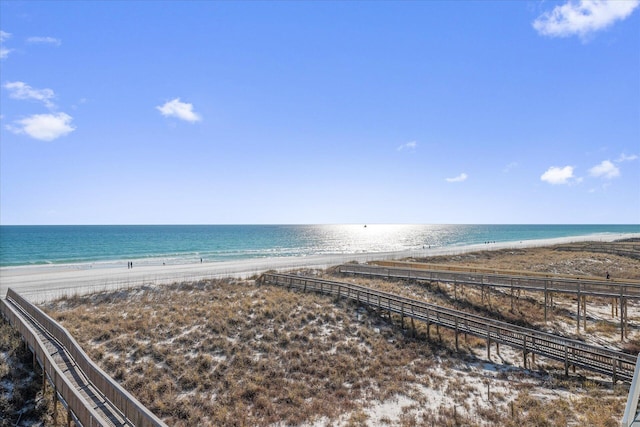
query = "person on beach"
x=608 y=277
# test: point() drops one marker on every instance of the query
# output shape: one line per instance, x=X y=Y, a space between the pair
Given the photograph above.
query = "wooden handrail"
x=627 y=289
x=498 y=271
x=631 y=409
x=132 y=409
x=82 y=411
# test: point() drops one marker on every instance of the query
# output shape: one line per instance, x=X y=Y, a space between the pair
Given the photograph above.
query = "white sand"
x=47 y=282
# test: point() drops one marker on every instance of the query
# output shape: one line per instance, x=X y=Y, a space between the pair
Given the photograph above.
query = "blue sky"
x=319 y=112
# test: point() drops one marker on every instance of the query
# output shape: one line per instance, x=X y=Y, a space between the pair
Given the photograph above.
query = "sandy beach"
x=46 y=282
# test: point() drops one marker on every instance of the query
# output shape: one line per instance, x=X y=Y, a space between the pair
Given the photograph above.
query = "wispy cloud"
x=557 y=175
x=44 y=40
x=408 y=146
x=509 y=167
x=4 y=52
x=180 y=110
x=462 y=177
x=45 y=127
x=626 y=158
x=605 y=169
x=600 y=188
x=21 y=90
x=583 y=17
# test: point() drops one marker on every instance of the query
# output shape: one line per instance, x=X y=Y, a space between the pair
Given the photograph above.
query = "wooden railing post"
x=578 y=312
x=545 y=301
x=621 y=315
x=456 y=321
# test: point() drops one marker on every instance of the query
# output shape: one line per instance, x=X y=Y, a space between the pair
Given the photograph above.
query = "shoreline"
x=46 y=282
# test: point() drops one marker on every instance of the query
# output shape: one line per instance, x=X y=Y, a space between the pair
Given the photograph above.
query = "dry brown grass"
x=547 y=260
x=21 y=399
x=234 y=353
x=223 y=351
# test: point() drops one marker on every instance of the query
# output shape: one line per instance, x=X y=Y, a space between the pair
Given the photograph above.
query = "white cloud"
x=555 y=175
x=606 y=169
x=509 y=167
x=624 y=158
x=583 y=17
x=180 y=110
x=408 y=146
x=45 y=127
x=21 y=90
x=462 y=177
x=44 y=40
x=4 y=52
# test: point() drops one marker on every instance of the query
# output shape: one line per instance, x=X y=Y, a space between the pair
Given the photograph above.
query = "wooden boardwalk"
x=561 y=284
x=619 y=291
x=573 y=353
x=90 y=396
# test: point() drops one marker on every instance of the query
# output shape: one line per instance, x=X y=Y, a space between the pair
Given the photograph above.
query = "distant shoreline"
x=46 y=282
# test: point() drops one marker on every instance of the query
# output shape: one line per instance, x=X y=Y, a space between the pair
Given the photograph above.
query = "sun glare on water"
x=376 y=237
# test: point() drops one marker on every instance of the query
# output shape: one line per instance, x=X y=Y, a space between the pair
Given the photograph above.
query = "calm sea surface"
x=31 y=245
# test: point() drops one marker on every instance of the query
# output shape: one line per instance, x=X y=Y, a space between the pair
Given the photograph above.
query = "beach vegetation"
x=22 y=401
x=229 y=352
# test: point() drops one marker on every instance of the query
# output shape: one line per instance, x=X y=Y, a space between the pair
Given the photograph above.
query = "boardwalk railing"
x=630 y=417
x=80 y=408
x=619 y=291
x=612 y=281
x=136 y=413
x=556 y=284
x=619 y=366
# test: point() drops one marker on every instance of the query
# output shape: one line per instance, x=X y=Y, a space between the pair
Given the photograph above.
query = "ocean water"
x=174 y=244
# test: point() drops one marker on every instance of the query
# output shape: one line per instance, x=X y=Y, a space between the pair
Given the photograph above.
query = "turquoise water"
x=32 y=245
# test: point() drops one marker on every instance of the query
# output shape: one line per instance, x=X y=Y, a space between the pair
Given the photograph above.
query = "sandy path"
x=43 y=283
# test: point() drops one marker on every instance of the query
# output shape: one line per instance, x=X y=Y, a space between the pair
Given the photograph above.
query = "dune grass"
x=22 y=401
x=230 y=352
x=219 y=351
